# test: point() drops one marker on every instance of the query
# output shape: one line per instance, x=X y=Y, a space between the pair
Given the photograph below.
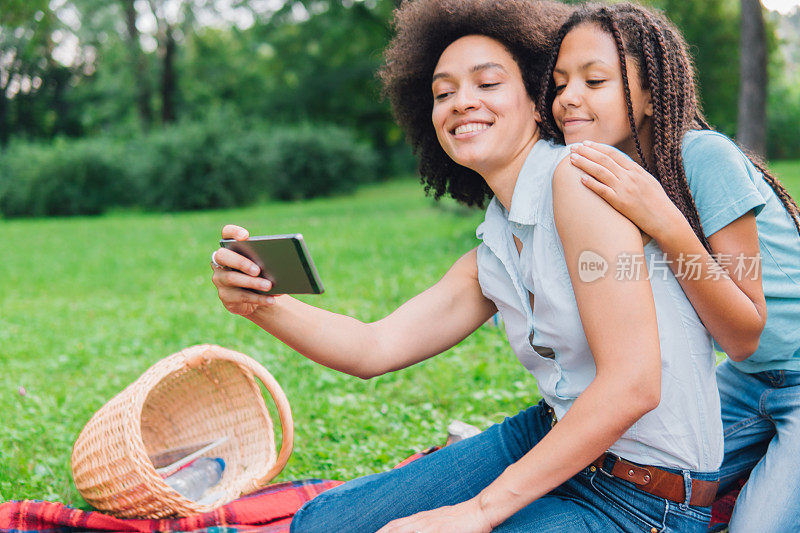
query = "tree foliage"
x=115 y=67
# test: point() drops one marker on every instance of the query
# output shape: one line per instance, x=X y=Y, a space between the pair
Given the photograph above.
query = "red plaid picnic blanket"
x=269 y=510
x=722 y=508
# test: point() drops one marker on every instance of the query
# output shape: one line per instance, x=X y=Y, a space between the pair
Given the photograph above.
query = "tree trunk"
x=169 y=84
x=59 y=80
x=55 y=78
x=139 y=66
x=752 y=124
x=4 y=126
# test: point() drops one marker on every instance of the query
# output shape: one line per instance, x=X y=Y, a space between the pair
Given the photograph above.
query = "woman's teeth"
x=472 y=126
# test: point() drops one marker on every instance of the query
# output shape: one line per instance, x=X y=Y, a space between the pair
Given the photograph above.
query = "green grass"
x=89 y=304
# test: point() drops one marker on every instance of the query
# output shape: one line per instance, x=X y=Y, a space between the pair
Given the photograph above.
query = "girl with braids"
x=622 y=76
x=616 y=360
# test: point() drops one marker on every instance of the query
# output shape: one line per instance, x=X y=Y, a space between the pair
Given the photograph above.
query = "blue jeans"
x=590 y=501
x=761 y=419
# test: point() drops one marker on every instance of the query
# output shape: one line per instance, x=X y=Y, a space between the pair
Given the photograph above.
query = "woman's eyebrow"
x=585 y=66
x=476 y=68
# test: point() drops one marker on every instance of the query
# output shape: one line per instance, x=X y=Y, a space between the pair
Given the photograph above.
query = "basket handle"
x=285 y=414
x=275 y=390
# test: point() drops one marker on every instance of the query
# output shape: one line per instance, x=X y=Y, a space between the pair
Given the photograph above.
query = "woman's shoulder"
x=548 y=154
x=553 y=162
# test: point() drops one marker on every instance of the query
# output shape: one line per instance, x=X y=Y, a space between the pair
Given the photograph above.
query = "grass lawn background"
x=88 y=304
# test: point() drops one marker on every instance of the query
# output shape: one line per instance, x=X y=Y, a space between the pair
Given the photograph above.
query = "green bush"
x=215 y=163
x=67 y=177
x=317 y=160
x=196 y=166
x=218 y=163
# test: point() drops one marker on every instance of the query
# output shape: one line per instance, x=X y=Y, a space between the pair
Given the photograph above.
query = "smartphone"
x=283 y=259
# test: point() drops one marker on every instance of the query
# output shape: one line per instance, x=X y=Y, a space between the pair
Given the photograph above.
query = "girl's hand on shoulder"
x=626 y=186
x=465 y=517
x=235 y=276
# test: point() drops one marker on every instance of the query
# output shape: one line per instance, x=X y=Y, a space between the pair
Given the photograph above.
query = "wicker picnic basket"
x=198 y=394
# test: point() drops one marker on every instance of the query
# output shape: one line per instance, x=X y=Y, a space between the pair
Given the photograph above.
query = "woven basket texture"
x=197 y=395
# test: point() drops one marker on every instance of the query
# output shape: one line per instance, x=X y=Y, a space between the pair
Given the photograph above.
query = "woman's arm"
x=424 y=326
x=729 y=300
x=619 y=320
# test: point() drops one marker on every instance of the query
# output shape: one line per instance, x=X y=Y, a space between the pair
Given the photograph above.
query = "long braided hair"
x=666 y=69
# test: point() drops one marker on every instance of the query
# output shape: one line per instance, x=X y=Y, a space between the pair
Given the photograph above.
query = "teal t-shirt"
x=725 y=185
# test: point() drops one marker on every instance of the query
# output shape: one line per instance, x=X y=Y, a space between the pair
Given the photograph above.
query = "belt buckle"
x=553 y=418
x=616 y=458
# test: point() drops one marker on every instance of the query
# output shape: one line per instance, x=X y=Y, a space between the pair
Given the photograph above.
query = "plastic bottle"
x=458 y=430
x=193 y=480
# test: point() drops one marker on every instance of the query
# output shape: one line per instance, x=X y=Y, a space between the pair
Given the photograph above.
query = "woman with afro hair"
x=628 y=435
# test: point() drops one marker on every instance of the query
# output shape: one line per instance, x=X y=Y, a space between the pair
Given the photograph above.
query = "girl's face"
x=482 y=113
x=590 y=97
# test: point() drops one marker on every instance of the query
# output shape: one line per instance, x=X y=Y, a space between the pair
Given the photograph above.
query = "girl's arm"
x=619 y=320
x=726 y=293
x=424 y=326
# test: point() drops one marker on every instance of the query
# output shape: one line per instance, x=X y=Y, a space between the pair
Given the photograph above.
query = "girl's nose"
x=570 y=95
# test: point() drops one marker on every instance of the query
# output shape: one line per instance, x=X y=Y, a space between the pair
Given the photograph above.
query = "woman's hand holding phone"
x=234 y=275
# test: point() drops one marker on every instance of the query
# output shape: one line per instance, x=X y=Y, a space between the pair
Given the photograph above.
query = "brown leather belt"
x=658 y=482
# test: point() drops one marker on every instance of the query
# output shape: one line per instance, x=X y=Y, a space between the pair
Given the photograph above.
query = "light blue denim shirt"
x=725 y=185
x=685 y=430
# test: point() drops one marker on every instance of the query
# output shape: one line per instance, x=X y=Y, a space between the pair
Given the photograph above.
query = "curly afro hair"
x=424 y=29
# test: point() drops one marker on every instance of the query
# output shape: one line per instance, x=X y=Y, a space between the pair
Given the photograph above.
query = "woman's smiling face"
x=590 y=97
x=482 y=113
